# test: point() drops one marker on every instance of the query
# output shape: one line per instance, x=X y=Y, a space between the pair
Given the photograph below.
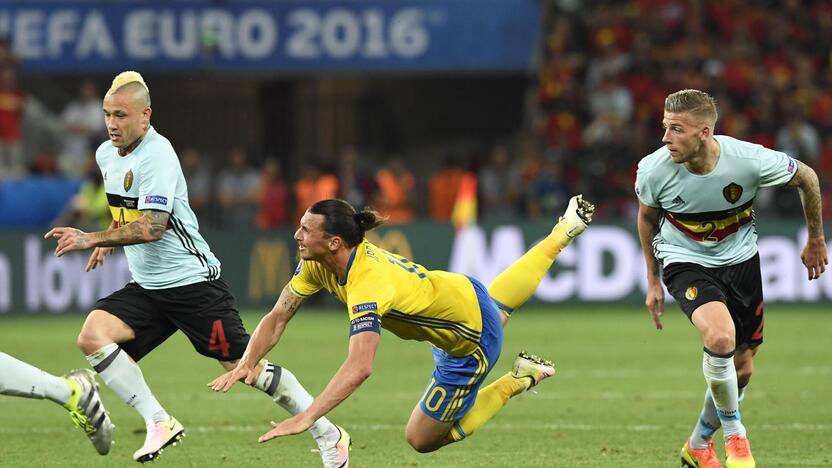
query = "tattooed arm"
x=150 y=227
x=100 y=253
x=814 y=255
x=271 y=326
x=807 y=184
x=264 y=338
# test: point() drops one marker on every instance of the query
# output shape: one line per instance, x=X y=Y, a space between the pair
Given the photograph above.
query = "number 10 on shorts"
x=434 y=397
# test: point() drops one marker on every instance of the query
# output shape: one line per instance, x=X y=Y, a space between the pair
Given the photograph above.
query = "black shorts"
x=739 y=287
x=206 y=312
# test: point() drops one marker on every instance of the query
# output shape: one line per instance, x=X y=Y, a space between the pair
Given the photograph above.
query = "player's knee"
x=100 y=329
x=421 y=445
x=91 y=339
x=419 y=442
x=417 y=446
x=720 y=342
x=86 y=342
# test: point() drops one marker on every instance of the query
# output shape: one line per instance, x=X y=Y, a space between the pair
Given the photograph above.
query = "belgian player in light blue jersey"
x=176 y=279
x=696 y=227
x=457 y=315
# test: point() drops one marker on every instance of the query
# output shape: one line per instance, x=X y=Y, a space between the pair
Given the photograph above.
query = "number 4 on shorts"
x=218 y=339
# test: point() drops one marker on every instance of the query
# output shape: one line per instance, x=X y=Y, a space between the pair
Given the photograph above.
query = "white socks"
x=708 y=422
x=125 y=379
x=20 y=379
x=284 y=388
x=721 y=377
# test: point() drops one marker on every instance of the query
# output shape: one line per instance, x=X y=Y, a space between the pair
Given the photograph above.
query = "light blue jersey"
x=708 y=219
x=150 y=178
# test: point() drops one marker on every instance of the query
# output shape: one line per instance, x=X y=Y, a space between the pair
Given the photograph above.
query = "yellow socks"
x=490 y=400
x=516 y=284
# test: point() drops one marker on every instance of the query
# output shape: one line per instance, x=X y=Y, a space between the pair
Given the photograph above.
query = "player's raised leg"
x=528 y=370
x=429 y=428
x=99 y=340
x=511 y=289
x=453 y=406
x=76 y=391
x=516 y=284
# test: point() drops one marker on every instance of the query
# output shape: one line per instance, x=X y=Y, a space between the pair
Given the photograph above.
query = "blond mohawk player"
x=176 y=278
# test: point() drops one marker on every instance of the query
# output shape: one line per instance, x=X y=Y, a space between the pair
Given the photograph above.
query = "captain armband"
x=365 y=323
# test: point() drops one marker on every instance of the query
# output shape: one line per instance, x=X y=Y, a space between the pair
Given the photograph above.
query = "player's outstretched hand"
x=294 y=425
x=655 y=303
x=814 y=257
x=224 y=382
x=69 y=239
x=97 y=257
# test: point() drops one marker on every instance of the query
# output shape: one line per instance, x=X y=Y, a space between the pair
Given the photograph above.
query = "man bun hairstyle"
x=367 y=219
x=342 y=220
x=695 y=102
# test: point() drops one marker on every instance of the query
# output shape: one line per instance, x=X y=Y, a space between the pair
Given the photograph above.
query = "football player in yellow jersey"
x=455 y=313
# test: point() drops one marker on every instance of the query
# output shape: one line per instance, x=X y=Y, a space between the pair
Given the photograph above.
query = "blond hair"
x=692 y=101
x=126 y=80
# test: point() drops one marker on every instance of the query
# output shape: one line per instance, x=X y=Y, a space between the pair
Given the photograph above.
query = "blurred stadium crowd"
x=609 y=66
x=605 y=68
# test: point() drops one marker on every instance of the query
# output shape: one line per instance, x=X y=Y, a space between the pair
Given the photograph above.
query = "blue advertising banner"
x=270 y=36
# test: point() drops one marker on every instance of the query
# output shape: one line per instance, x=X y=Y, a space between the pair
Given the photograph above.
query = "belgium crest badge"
x=128 y=180
x=691 y=292
x=732 y=192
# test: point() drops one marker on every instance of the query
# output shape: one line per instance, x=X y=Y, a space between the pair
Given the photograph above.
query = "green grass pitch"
x=625 y=395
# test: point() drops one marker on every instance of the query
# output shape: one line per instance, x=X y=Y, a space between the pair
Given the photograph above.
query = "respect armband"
x=365 y=323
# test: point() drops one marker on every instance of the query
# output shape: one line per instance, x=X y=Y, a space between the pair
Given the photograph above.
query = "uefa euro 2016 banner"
x=270 y=36
x=604 y=265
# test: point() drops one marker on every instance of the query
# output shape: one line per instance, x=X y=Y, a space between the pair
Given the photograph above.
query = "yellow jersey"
x=414 y=303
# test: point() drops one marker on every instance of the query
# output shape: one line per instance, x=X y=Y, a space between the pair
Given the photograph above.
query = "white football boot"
x=159 y=435
x=533 y=367
x=577 y=216
x=87 y=411
x=335 y=448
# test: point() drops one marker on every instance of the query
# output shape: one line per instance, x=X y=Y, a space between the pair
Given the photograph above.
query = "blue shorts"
x=457 y=379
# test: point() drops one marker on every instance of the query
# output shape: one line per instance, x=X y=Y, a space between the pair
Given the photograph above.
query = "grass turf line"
x=625 y=395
